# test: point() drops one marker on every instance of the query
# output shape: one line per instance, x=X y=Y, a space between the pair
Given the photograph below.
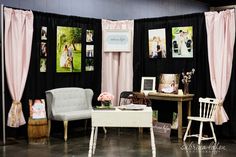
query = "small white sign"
x=117 y=40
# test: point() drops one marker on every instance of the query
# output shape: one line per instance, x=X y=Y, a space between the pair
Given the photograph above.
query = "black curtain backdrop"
x=200 y=85
x=38 y=82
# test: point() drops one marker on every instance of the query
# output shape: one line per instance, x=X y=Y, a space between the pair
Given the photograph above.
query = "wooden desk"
x=120 y=118
x=179 y=99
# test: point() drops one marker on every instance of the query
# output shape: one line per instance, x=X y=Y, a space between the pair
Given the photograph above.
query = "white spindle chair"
x=207 y=107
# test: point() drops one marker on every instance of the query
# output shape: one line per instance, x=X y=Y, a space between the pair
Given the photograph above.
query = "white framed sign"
x=117 y=40
x=148 y=84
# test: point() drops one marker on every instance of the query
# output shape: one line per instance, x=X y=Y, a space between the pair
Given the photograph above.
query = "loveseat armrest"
x=49 y=101
x=89 y=97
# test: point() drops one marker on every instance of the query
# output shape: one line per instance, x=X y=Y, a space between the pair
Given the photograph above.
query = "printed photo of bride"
x=157 y=43
x=68 y=49
x=182 y=42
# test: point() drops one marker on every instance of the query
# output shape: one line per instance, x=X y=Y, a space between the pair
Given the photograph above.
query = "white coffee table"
x=120 y=118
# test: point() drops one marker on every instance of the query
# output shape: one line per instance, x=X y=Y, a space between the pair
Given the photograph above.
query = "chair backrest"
x=140 y=98
x=207 y=107
x=125 y=98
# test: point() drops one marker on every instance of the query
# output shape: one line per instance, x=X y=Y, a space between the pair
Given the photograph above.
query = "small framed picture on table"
x=148 y=85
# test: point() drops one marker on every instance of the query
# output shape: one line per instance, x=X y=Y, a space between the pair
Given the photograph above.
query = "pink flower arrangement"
x=105 y=96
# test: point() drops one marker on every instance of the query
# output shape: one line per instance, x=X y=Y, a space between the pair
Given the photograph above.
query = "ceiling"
x=215 y=3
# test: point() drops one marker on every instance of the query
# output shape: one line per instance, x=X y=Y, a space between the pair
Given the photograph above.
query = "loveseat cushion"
x=73 y=115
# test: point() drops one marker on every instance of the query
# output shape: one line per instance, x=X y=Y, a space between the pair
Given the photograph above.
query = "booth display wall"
x=38 y=82
x=200 y=85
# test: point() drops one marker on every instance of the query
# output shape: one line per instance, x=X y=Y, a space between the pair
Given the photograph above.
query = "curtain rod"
x=17 y=8
x=3 y=75
x=221 y=8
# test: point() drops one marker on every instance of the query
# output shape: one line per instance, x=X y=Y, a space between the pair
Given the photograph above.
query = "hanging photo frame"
x=69 y=48
x=157 y=43
x=182 y=42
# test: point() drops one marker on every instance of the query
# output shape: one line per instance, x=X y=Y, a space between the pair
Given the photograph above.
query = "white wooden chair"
x=207 y=108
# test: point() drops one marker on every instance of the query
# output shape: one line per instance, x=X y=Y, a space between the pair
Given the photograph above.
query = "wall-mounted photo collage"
x=182 y=42
x=43 y=49
x=89 y=61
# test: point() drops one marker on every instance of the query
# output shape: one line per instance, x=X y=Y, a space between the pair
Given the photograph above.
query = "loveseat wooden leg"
x=65 y=130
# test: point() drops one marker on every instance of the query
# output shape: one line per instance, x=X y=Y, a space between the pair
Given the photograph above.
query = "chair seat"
x=73 y=115
x=200 y=119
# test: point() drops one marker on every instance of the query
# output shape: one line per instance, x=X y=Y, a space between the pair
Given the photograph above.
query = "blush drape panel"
x=18 y=41
x=117 y=67
x=220 y=37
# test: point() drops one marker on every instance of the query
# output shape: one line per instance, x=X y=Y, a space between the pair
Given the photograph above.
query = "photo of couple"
x=182 y=42
x=68 y=49
x=157 y=43
x=66 y=59
x=168 y=83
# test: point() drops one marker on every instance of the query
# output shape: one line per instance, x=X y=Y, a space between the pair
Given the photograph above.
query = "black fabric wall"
x=200 y=85
x=38 y=82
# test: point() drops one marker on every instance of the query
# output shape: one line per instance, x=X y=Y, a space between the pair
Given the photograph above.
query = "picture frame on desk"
x=169 y=83
x=148 y=85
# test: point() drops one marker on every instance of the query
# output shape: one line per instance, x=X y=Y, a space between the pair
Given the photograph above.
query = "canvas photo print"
x=68 y=49
x=89 y=51
x=169 y=83
x=89 y=64
x=182 y=42
x=43 y=49
x=157 y=43
x=43 y=65
x=43 y=33
x=89 y=35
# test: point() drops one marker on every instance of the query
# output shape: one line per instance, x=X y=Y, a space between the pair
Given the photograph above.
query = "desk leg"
x=180 y=128
x=153 y=142
x=189 y=108
x=95 y=139
x=189 y=113
x=91 y=142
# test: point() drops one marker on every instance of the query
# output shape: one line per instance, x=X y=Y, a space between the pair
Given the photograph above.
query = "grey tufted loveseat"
x=68 y=104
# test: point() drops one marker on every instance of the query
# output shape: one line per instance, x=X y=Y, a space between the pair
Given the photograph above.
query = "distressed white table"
x=120 y=118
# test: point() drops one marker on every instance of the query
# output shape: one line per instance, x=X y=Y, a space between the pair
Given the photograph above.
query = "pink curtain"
x=117 y=67
x=220 y=37
x=18 y=40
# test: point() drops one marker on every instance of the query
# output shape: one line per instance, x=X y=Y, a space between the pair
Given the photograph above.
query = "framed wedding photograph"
x=89 y=35
x=69 y=48
x=182 y=42
x=44 y=33
x=169 y=83
x=148 y=84
x=89 y=50
x=157 y=43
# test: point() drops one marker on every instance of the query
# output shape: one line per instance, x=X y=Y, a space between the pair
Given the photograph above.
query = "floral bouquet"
x=187 y=79
x=105 y=98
